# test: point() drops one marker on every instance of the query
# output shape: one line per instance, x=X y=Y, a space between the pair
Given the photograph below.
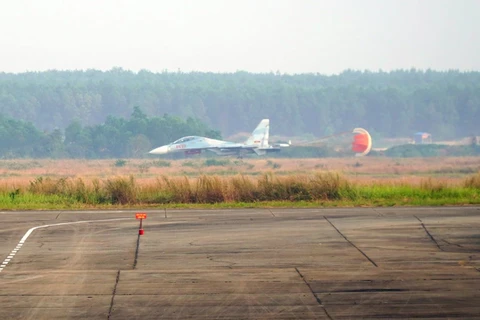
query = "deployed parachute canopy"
x=362 y=142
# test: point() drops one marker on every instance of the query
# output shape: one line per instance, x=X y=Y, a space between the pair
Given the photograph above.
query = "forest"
x=117 y=137
x=121 y=113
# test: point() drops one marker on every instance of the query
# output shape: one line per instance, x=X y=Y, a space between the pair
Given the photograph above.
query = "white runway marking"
x=29 y=232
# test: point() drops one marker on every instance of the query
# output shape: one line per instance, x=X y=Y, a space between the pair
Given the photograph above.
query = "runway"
x=352 y=263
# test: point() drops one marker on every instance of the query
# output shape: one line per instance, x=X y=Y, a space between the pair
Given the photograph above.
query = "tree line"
x=133 y=137
x=388 y=104
x=115 y=138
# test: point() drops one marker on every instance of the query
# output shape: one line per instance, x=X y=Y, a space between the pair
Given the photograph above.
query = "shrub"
x=298 y=191
x=217 y=162
x=273 y=165
x=241 y=188
x=179 y=189
x=121 y=190
x=144 y=167
x=209 y=189
x=47 y=186
x=473 y=181
x=327 y=186
x=270 y=188
x=14 y=193
x=161 y=163
x=87 y=194
x=276 y=165
x=431 y=185
x=120 y=163
x=189 y=164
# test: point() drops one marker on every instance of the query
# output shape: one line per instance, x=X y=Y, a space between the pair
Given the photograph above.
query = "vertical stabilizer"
x=259 y=136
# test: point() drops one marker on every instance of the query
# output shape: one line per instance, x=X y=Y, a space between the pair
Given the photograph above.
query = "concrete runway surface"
x=381 y=263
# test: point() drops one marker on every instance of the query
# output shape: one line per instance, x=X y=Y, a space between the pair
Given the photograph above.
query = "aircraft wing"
x=232 y=148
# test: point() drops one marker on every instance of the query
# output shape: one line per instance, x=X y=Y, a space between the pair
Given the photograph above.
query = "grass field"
x=217 y=182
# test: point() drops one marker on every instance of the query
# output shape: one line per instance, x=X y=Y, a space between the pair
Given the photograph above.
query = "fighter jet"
x=257 y=143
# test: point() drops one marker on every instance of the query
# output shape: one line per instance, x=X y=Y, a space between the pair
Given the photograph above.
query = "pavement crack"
x=379 y=214
x=452 y=244
x=58 y=215
x=351 y=243
x=327 y=314
x=309 y=287
x=428 y=233
x=113 y=294
x=313 y=293
x=273 y=215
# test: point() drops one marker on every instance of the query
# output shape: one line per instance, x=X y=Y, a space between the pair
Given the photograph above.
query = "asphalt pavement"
x=352 y=263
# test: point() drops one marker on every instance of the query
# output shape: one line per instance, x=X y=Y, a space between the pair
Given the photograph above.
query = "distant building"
x=422 y=138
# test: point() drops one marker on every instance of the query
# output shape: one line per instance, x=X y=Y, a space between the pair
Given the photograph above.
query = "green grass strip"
x=359 y=196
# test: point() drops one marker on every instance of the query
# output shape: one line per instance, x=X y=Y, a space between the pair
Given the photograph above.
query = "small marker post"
x=140 y=216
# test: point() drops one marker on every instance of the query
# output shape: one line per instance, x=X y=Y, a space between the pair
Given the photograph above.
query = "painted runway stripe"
x=29 y=232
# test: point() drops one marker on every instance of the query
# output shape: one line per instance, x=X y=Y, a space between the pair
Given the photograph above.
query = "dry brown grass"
x=240 y=188
x=101 y=182
x=320 y=186
x=19 y=173
x=473 y=181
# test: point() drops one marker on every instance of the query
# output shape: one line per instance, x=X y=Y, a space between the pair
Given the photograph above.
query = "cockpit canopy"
x=184 y=139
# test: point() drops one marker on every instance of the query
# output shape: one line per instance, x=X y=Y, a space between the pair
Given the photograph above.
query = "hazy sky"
x=290 y=36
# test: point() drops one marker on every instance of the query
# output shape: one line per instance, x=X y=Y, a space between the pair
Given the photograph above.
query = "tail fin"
x=259 y=136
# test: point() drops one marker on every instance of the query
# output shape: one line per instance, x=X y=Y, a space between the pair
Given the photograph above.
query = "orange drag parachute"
x=362 y=142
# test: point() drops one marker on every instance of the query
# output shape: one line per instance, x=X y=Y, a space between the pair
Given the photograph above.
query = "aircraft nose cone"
x=160 y=150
